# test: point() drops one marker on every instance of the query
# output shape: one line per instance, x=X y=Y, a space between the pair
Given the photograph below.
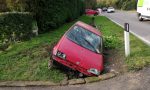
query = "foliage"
x=90 y=4
x=111 y=37
x=111 y=42
x=51 y=14
x=121 y=4
x=16 y=5
x=28 y=60
x=15 y=26
x=106 y=3
x=140 y=52
x=140 y=55
x=3 y=6
x=126 y=4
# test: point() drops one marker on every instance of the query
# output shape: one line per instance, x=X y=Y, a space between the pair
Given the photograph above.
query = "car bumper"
x=72 y=66
x=110 y=10
x=146 y=17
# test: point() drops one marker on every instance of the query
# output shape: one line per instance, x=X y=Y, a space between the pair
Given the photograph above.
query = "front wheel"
x=140 y=17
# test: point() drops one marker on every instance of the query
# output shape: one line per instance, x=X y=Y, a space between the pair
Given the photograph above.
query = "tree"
x=90 y=4
x=3 y=6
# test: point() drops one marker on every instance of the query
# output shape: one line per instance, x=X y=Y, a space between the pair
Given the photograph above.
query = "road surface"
x=131 y=81
x=140 y=29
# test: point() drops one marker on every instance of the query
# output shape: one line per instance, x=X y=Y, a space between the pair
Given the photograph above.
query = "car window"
x=85 y=38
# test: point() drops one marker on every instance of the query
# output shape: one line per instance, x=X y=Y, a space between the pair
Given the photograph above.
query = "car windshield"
x=85 y=38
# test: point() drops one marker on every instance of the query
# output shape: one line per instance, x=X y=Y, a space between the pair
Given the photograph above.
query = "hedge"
x=129 y=5
x=126 y=4
x=16 y=25
x=50 y=14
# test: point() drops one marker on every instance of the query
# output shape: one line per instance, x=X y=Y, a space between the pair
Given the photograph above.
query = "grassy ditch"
x=27 y=61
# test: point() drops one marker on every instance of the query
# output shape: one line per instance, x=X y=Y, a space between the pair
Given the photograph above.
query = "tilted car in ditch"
x=81 y=49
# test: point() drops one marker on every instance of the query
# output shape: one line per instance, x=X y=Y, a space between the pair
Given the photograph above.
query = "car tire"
x=140 y=17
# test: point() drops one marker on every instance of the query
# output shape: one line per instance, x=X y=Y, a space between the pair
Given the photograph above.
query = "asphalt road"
x=131 y=81
x=140 y=29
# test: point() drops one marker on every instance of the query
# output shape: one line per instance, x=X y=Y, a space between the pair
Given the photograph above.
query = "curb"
x=76 y=81
x=63 y=83
x=27 y=83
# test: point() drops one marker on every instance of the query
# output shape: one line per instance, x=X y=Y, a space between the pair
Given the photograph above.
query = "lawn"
x=28 y=60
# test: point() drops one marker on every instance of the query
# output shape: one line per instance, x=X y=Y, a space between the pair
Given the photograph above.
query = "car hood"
x=80 y=56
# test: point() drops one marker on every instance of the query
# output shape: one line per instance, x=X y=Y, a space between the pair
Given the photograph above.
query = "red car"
x=91 y=12
x=80 y=49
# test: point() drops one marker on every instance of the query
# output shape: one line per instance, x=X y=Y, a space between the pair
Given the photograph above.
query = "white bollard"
x=127 y=40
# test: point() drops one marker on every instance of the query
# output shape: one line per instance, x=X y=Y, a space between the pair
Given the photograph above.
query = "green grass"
x=140 y=55
x=140 y=52
x=28 y=60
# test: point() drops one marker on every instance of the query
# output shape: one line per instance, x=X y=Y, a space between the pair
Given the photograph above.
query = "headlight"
x=94 y=71
x=61 y=55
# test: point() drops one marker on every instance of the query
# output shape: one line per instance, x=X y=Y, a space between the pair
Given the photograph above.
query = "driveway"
x=131 y=81
x=140 y=29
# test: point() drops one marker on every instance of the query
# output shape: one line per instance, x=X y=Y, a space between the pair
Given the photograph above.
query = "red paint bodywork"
x=91 y=12
x=77 y=57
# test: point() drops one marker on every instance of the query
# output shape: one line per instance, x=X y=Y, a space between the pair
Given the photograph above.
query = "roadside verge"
x=141 y=38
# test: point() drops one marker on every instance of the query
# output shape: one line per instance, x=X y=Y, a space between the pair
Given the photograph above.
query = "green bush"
x=120 y=4
x=111 y=42
x=13 y=5
x=126 y=4
x=91 y=4
x=51 y=14
x=15 y=25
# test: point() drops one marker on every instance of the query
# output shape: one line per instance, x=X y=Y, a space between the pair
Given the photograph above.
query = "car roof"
x=88 y=27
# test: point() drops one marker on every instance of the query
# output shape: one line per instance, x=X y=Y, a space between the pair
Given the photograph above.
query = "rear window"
x=85 y=38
